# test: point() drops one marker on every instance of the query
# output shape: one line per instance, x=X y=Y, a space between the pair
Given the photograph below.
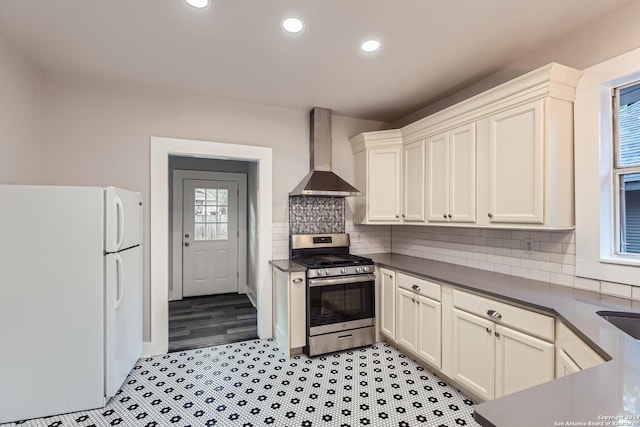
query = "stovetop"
x=331 y=260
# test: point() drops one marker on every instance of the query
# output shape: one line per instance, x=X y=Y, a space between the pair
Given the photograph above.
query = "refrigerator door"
x=123 y=219
x=51 y=299
x=123 y=315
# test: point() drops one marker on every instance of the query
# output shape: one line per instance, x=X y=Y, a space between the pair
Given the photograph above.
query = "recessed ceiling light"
x=292 y=24
x=198 y=3
x=370 y=46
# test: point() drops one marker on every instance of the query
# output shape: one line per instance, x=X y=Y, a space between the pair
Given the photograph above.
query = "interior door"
x=209 y=237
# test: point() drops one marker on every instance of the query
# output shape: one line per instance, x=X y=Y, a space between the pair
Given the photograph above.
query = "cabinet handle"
x=497 y=334
x=494 y=314
x=488 y=330
x=490 y=215
x=449 y=215
x=415 y=288
x=397 y=216
x=444 y=216
x=297 y=280
x=402 y=215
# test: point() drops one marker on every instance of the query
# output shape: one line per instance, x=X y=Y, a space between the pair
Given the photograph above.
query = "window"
x=626 y=113
x=211 y=220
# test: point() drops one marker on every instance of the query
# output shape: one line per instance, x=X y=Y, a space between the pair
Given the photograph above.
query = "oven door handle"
x=342 y=280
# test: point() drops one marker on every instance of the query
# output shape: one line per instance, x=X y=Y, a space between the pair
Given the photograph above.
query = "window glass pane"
x=211 y=232
x=223 y=196
x=199 y=232
x=212 y=212
x=629 y=126
x=223 y=214
x=630 y=213
x=222 y=232
x=211 y=196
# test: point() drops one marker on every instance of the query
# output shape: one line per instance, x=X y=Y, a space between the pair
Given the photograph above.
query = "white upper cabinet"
x=378 y=175
x=516 y=166
x=391 y=176
x=503 y=158
x=413 y=206
x=383 y=184
x=451 y=168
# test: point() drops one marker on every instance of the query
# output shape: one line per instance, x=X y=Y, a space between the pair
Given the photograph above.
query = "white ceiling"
x=235 y=49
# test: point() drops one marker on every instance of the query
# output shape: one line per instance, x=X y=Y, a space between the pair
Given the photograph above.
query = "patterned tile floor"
x=250 y=383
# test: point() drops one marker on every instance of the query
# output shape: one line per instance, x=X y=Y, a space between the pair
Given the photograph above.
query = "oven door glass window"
x=340 y=303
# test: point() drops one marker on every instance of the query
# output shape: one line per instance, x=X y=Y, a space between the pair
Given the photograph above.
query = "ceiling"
x=236 y=50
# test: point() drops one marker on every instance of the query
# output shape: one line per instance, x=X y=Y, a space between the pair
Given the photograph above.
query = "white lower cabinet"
x=522 y=361
x=387 y=280
x=564 y=364
x=289 y=315
x=490 y=348
x=429 y=330
x=493 y=360
x=474 y=352
x=407 y=320
x=572 y=353
x=419 y=318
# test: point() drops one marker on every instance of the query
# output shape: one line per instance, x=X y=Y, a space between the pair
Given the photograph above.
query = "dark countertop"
x=611 y=389
x=287 y=265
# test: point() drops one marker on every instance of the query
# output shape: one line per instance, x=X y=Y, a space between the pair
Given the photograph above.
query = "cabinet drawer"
x=579 y=351
x=419 y=286
x=518 y=318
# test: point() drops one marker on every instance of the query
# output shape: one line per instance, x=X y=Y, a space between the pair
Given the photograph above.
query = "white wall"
x=19 y=117
x=96 y=133
x=605 y=37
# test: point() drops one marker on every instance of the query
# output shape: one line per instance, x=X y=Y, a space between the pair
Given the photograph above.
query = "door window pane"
x=211 y=214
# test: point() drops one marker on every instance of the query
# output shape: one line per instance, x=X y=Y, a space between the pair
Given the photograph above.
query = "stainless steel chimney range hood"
x=321 y=181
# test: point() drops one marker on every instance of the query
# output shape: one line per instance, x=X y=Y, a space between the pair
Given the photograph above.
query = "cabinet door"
x=297 y=310
x=407 y=315
x=522 y=361
x=516 y=168
x=414 y=182
x=388 y=303
x=474 y=353
x=564 y=364
x=438 y=178
x=429 y=330
x=383 y=186
x=462 y=174
x=281 y=309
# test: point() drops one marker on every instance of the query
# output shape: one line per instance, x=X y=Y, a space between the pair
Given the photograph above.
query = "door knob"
x=186 y=243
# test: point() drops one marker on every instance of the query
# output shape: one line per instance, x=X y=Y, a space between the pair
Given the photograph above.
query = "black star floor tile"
x=252 y=383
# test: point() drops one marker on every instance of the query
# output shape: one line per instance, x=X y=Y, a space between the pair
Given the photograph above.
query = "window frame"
x=617 y=172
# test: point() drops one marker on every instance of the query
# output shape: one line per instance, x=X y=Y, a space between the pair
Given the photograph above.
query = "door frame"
x=160 y=150
x=175 y=293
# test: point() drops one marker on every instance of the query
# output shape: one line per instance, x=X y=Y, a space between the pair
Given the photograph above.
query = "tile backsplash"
x=503 y=251
x=552 y=259
x=312 y=215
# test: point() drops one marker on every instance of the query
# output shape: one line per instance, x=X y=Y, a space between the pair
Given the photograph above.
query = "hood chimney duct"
x=321 y=181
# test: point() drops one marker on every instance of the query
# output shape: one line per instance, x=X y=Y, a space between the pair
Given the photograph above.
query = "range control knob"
x=343 y=270
x=358 y=269
x=365 y=268
x=327 y=272
x=319 y=273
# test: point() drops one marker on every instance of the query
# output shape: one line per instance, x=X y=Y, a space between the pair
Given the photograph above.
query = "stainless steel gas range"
x=340 y=293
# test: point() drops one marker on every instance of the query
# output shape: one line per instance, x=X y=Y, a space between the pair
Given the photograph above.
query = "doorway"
x=208 y=301
x=259 y=236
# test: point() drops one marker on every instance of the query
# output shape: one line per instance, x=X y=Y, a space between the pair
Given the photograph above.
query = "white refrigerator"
x=70 y=297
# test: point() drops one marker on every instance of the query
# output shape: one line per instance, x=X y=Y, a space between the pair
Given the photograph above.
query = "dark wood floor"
x=211 y=320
